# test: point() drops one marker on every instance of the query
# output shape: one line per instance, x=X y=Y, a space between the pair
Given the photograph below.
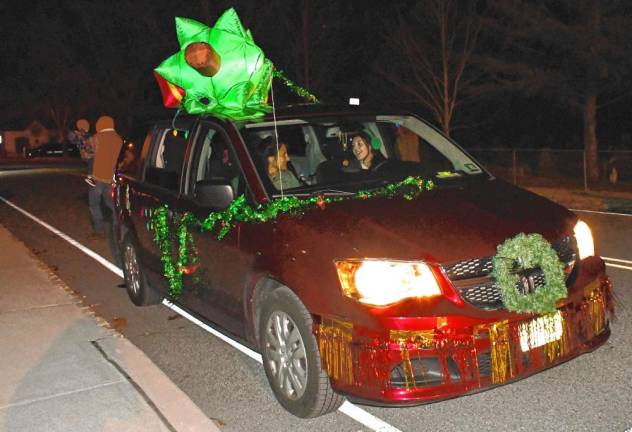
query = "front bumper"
x=405 y=367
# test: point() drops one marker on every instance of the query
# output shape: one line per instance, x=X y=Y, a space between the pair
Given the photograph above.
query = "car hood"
x=446 y=224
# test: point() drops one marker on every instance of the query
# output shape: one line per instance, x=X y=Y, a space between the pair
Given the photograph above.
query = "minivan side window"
x=164 y=165
x=214 y=161
x=130 y=156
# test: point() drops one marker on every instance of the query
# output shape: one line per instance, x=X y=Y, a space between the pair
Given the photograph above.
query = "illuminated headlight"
x=381 y=283
x=584 y=238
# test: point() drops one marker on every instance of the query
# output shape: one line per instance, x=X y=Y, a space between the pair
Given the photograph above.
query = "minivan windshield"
x=344 y=154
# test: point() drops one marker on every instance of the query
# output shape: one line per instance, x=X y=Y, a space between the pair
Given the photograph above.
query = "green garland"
x=299 y=91
x=240 y=212
x=532 y=251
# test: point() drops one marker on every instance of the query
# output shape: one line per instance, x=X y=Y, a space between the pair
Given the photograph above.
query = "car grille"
x=484 y=363
x=472 y=278
x=484 y=296
x=420 y=372
x=469 y=268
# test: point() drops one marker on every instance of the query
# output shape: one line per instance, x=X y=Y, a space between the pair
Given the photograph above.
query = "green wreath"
x=530 y=251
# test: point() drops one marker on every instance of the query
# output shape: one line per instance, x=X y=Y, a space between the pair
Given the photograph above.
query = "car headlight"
x=381 y=283
x=585 y=243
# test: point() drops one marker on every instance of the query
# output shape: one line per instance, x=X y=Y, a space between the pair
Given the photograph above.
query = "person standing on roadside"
x=107 y=145
x=80 y=137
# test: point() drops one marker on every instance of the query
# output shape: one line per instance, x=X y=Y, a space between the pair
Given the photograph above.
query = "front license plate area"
x=540 y=331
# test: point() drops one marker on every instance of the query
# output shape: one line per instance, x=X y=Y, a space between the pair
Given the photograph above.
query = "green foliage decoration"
x=296 y=89
x=239 y=211
x=530 y=251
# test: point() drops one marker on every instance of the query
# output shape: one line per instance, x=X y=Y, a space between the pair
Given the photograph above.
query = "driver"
x=365 y=147
x=279 y=168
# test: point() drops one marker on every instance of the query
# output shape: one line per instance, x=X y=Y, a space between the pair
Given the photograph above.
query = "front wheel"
x=291 y=358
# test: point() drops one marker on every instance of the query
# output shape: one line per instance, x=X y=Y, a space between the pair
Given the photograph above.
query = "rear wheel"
x=291 y=358
x=136 y=284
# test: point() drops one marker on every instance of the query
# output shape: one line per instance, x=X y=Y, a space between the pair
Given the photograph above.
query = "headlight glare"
x=585 y=243
x=381 y=282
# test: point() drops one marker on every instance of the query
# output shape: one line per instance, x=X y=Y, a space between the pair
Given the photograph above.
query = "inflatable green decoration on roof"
x=218 y=70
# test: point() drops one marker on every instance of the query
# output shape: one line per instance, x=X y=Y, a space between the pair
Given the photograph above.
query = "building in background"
x=16 y=142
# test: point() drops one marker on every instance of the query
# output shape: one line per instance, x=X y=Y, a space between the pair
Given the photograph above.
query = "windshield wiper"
x=329 y=191
x=310 y=194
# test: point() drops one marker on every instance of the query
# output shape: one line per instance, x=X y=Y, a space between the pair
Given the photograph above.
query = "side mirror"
x=213 y=194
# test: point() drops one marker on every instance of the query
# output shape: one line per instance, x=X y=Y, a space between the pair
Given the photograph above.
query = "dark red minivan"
x=361 y=252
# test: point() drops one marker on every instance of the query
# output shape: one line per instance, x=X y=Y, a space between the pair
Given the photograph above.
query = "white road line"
x=602 y=212
x=366 y=418
x=107 y=264
x=619 y=260
x=355 y=412
x=619 y=266
x=244 y=349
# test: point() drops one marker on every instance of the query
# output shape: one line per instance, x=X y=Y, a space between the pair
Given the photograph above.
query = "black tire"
x=136 y=284
x=286 y=365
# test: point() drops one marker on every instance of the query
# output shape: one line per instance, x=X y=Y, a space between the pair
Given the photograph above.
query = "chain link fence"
x=558 y=168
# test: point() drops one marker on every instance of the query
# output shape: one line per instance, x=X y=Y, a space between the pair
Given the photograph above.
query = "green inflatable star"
x=221 y=69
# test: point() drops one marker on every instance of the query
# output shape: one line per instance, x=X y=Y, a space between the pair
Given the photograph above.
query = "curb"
x=167 y=399
x=176 y=410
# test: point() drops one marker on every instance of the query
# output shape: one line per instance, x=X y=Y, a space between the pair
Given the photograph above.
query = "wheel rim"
x=285 y=355
x=131 y=269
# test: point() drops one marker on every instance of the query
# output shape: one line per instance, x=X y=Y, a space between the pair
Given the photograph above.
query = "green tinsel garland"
x=299 y=91
x=534 y=251
x=239 y=211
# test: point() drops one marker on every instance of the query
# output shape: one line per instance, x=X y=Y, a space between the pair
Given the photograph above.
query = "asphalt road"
x=592 y=392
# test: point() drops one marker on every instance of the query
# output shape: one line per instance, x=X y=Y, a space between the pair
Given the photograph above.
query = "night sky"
x=524 y=82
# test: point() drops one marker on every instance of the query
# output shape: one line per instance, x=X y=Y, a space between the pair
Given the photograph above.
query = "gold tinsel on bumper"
x=515 y=348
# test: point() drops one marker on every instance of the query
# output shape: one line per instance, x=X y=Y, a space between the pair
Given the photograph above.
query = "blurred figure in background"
x=80 y=137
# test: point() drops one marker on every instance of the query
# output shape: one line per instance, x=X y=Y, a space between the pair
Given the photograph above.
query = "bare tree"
x=300 y=37
x=573 y=50
x=431 y=50
x=57 y=81
x=121 y=52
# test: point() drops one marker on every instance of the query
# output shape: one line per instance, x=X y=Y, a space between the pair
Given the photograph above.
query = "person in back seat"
x=173 y=154
x=338 y=167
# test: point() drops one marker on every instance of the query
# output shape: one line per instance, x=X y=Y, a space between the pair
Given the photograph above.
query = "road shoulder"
x=65 y=369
